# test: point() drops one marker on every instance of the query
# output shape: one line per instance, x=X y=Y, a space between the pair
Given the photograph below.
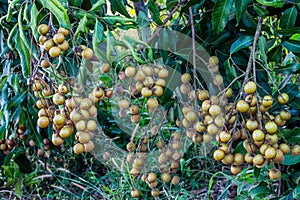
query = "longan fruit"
x=87 y=53
x=43 y=122
x=43 y=29
x=59 y=38
x=185 y=78
x=283 y=98
x=242 y=106
x=274 y=174
x=267 y=101
x=218 y=155
x=250 y=87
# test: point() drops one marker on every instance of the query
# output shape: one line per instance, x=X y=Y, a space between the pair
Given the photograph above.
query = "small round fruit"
x=224 y=136
x=191 y=116
x=151 y=177
x=80 y=125
x=185 y=78
x=212 y=129
x=283 y=98
x=165 y=177
x=163 y=73
x=251 y=125
x=267 y=101
x=155 y=192
x=200 y=127
x=158 y=90
x=152 y=104
x=45 y=63
x=37 y=86
x=87 y=53
x=219 y=155
x=89 y=146
x=42 y=39
x=228 y=159
x=62 y=88
x=105 y=68
x=130 y=146
x=59 y=119
x=66 y=131
x=57 y=140
x=218 y=80
x=270 y=153
x=78 y=148
x=43 y=122
x=271 y=127
x=64 y=46
x=130 y=71
x=215 y=110
x=238 y=159
x=59 y=38
x=285 y=115
x=242 y=106
x=213 y=61
x=54 y=52
x=43 y=29
x=203 y=95
x=185 y=88
x=58 y=99
x=146 y=92
x=229 y=93
x=274 y=174
x=258 y=135
x=235 y=169
x=63 y=31
x=48 y=44
x=135 y=193
x=250 y=87
x=91 y=125
x=249 y=158
x=285 y=148
x=258 y=159
x=295 y=150
x=83 y=137
x=175 y=180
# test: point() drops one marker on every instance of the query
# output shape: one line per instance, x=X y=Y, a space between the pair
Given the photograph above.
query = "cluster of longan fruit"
x=169 y=156
x=53 y=44
x=249 y=120
x=148 y=81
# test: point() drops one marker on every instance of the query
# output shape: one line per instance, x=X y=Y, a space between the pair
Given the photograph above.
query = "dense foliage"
x=164 y=99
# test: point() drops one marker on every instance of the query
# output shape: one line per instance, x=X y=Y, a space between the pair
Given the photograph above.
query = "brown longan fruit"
x=218 y=155
x=130 y=146
x=87 y=53
x=43 y=122
x=59 y=38
x=250 y=87
x=274 y=174
x=43 y=29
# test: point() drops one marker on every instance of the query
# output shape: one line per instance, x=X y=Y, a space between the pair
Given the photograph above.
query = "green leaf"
x=259 y=191
x=98 y=38
x=240 y=7
x=262 y=49
x=296 y=193
x=288 y=18
x=240 y=43
x=11 y=37
x=118 y=19
x=24 y=54
x=275 y=54
x=154 y=12
x=81 y=26
x=119 y=6
x=272 y=3
x=292 y=45
x=221 y=14
x=260 y=11
x=98 y=34
x=289 y=69
x=15 y=152
x=33 y=22
x=97 y=6
x=290 y=159
x=76 y=3
x=58 y=11
x=296 y=178
x=142 y=20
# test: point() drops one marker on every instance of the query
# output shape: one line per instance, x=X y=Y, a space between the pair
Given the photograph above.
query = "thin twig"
x=194 y=52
